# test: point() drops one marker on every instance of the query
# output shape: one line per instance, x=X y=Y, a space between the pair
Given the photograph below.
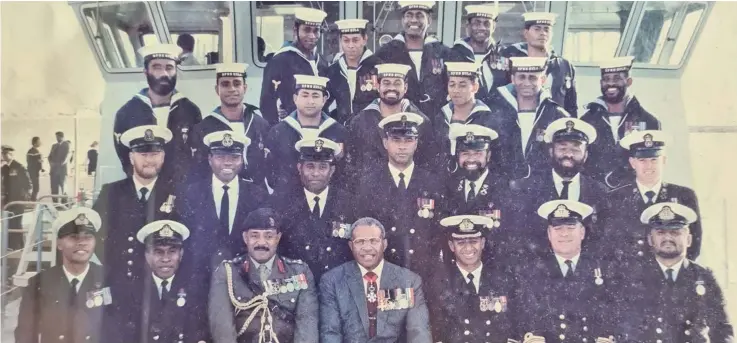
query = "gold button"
x=585 y=328
x=181 y=335
x=659 y=330
x=292 y=300
x=466 y=332
x=687 y=332
x=660 y=320
x=411 y=230
x=394 y=250
x=130 y=263
x=130 y=250
x=562 y=337
x=639 y=253
x=488 y=322
x=411 y=251
x=130 y=238
x=466 y=321
x=307 y=247
x=658 y=341
x=562 y=317
x=328 y=248
x=87 y=338
x=584 y=339
x=640 y=242
x=61 y=336
x=394 y=229
x=562 y=325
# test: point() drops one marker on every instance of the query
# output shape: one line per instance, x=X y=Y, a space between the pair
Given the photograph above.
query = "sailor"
x=297 y=58
x=561 y=75
x=262 y=296
x=353 y=82
x=308 y=121
x=16 y=186
x=615 y=114
x=521 y=111
x=424 y=53
x=236 y=115
x=160 y=104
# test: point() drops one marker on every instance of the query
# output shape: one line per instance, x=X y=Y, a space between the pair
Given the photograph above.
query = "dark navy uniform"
x=34 y=161
x=494 y=68
x=16 y=186
x=339 y=91
x=480 y=115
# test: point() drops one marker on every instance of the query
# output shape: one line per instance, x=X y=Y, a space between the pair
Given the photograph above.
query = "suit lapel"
x=355 y=285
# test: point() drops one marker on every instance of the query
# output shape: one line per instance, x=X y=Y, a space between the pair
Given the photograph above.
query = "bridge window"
x=595 y=29
x=202 y=28
x=509 y=23
x=387 y=21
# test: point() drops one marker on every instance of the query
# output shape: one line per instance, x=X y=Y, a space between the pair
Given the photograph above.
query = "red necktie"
x=371 y=301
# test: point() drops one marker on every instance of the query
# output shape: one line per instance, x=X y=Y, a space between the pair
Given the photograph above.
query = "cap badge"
x=318 y=145
x=166 y=231
x=82 y=220
x=562 y=212
x=148 y=135
x=666 y=213
x=227 y=140
x=648 y=140
x=469 y=137
x=272 y=223
x=404 y=120
x=466 y=225
x=569 y=126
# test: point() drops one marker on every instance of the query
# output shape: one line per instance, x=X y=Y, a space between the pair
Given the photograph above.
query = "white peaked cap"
x=570 y=125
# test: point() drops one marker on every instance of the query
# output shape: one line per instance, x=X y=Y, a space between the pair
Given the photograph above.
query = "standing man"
x=160 y=104
x=65 y=303
x=186 y=42
x=58 y=160
x=561 y=75
x=34 y=161
x=92 y=159
x=352 y=75
x=521 y=111
x=299 y=57
x=16 y=186
x=236 y=115
x=425 y=54
x=262 y=296
x=615 y=114
x=369 y=299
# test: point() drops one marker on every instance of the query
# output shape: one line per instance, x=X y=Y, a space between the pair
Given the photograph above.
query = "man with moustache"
x=479 y=48
x=236 y=115
x=308 y=121
x=352 y=75
x=128 y=204
x=317 y=216
x=675 y=299
x=615 y=114
x=298 y=58
x=425 y=55
x=65 y=303
x=561 y=75
x=521 y=111
x=58 y=161
x=370 y=299
x=622 y=232
x=160 y=104
x=262 y=296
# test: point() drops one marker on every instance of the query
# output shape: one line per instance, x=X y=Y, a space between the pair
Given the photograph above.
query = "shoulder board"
x=292 y=261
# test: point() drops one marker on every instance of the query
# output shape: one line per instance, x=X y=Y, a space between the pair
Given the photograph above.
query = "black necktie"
x=569 y=272
x=564 y=191
x=144 y=191
x=164 y=291
x=316 y=208
x=73 y=292
x=470 y=285
x=471 y=192
x=225 y=210
x=402 y=185
x=650 y=197
x=669 y=278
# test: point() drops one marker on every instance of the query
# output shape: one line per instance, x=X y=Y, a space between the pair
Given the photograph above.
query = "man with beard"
x=160 y=104
x=615 y=114
x=236 y=115
x=403 y=195
x=675 y=299
x=469 y=299
x=521 y=111
x=561 y=75
x=623 y=233
x=352 y=75
x=128 y=204
x=308 y=121
x=262 y=296
x=300 y=57
x=425 y=54
x=479 y=48
x=58 y=161
x=370 y=299
x=16 y=186
x=34 y=161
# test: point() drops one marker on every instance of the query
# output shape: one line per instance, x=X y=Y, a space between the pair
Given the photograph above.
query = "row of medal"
x=396 y=299
x=288 y=285
x=496 y=304
x=99 y=297
x=341 y=230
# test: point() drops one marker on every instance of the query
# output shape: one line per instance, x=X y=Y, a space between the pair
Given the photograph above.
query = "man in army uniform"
x=623 y=234
x=561 y=75
x=316 y=217
x=424 y=53
x=352 y=75
x=236 y=115
x=298 y=58
x=16 y=186
x=470 y=300
x=65 y=303
x=615 y=114
x=160 y=104
x=262 y=296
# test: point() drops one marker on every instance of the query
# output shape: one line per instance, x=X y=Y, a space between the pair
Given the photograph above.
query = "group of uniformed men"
x=450 y=195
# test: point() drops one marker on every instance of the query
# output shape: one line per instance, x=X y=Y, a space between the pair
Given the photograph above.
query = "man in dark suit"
x=16 y=186
x=65 y=303
x=624 y=237
x=58 y=161
x=469 y=299
x=369 y=299
x=128 y=204
x=317 y=216
x=262 y=296
x=34 y=162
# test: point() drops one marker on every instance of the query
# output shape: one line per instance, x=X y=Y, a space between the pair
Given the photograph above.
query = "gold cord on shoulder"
x=259 y=303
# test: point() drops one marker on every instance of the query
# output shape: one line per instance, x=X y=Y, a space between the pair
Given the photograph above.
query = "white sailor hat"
x=351 y=25
x=163 y=232
x=317 y=150
x=561 y=212
x=230 y=69
x=311 y=82
x=402 y=124
x=467 y=226
x=617 y=65
x=483 y=11
x=6 y=148
x=310 y=16
x=539 y=18
x=668 y=215
x=146 y=138
x=570 y=129
x=529 y=64
x=466 y=69
x=470 y=137
x=645 y=144
x=76 y=220
x=227 y=142
x=392 y=70
x=166 y=51
x=416 y=5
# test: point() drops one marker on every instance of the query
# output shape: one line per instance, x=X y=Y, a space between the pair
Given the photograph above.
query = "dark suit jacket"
x=16 y=183
x=344 y=313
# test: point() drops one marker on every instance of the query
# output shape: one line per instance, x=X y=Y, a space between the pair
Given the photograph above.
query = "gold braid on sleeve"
x=259 y=303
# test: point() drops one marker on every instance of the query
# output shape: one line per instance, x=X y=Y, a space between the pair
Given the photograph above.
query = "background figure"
x=186 y=42
x=34 y=162
x=15 y=187
x=92 y=159
x=58 y=165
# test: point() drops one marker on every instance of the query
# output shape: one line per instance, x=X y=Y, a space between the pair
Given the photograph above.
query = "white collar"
x=158 y=281
x=644 y=189
x=562 y=260
x=217 y=184
x=139 y=185
x=269 y=264
x=311 y=196
x=676 y=268
x=79 y=277
x=476 y=272
x=407 y=173
x=559 y=180
x=376 y=270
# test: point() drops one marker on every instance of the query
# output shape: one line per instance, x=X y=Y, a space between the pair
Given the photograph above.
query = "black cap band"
x=312 y=154
x=567 y=135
